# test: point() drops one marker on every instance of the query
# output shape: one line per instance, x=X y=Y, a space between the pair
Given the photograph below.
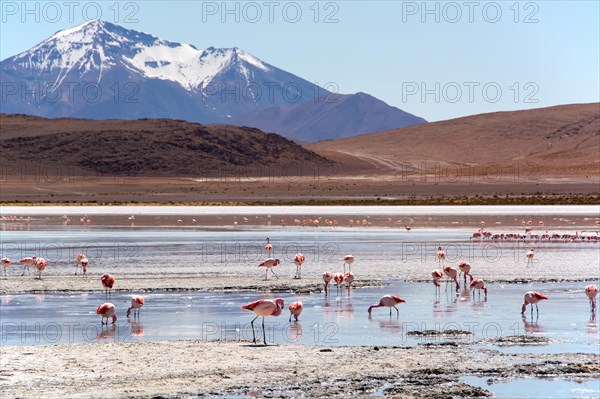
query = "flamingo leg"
x=390 y=312
x=397 y=311
x=274 y=274
x=264 y=333
x=300 y=271
x=253 y=334
x=76 y=267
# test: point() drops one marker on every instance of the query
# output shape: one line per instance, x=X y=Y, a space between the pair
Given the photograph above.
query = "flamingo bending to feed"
x=269 y=264
x=84 y=264
x=478 y=284
x=348 y=260
x=327 y=276
x=295 y=310
x=107 y=282
x=441 y=255
x=465 y=270
x=136 y=304
x=532 y=298
x=107 y=311
x=452 y=274
x=40 y=264
x=263 y=308
x=298 y=261
x=389 y=301
x=5 y=264
x=28 y=262
x=530 y=255
x=437 y=276
x=268 y=248
x=592 y=291
x=339 y=279
x=78 y=258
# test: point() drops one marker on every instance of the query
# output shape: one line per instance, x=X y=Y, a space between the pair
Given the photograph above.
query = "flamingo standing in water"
x=40 y=264
x=263 y=308
x=349 y=279
x=5 y=264
x=339 y=279
x=295 y=310
x=84 y=264
x=348 y=260
x=437 y=276
x=389 y=301
x=298 y=261
x=478 y=284
x=107 y=282
x=441 y=255
x=78 y=259
x=269 y=264
x=452 y=274
x=268 y=248
x=592 y=291
x=327 y=276
x=532 y=298
x=465 y=270
x=136 y=304
x=107 y=311
x=530 y=255
x=28 y=262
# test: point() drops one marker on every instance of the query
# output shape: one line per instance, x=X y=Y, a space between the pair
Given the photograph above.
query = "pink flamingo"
x=107 y=282
x=532 y=298
x=327 y=276
x=136 y=304
x=28 y=262
x=452 y=274
x=107 y=311
x=268 y=248
x=441 y=255
x=465 y=270
x=269 y=264
x=78 y=259
x=592 y=291
x=263 y=308
x=389 y=301
x=84 y=264
x=339 y=279
x=348 y=260
x=295 y=310
x=530 y=255
x=348 y=279
x=40 y=264
x=478 y=284
x=437 y=276
x=5 y=264
x=298 y=261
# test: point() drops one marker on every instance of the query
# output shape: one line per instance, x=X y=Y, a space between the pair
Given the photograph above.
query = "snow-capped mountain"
x=104 y=71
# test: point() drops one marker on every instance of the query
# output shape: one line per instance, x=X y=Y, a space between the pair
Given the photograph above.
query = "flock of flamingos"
x=267 y=307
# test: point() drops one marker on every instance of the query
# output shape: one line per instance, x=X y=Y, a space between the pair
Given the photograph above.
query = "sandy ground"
x=199 y=369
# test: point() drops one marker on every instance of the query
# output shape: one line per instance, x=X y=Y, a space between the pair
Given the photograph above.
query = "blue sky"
x=438 y=60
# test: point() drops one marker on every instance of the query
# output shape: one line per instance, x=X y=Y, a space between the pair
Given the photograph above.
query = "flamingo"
x=437 y=276
x=269 y=264
x=348 y=260
x=84 y=264
x=592 y=291
x=5 y=264
x=465 y=270
x=389 y=301
x=28 y=262
x=298 y=260
x=349 y=279
x=479 y=285
x=40 y=264
x=78 y=259
x=107 y=311
x=530 y=255
x=339 y=279
x=107 y=282
x=136 y=304
x=451 y=273
x=441 y=255
x=295 y=310
x=532 y=298
x=268 y=248
x=327 y=276
x=264 y=307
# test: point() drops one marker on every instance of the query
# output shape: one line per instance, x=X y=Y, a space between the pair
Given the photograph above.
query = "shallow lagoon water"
x=565 y=318
x=542 y=388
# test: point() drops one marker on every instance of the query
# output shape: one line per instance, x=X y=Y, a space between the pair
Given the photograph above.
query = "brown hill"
x=560 y=140
x=149 y=147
